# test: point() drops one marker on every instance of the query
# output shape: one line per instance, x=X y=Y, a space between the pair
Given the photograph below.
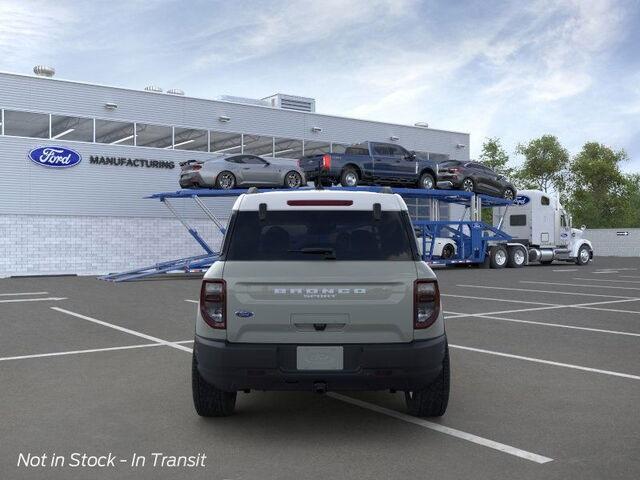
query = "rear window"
x=320 y=235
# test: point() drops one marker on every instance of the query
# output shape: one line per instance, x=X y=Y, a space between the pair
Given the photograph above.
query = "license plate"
x=320 y=358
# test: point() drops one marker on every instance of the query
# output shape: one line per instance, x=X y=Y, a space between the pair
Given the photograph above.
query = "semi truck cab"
x=538 y=221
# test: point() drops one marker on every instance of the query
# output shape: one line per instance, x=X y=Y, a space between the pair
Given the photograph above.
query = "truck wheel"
x=207 y=399
x=427 y=181
x=432 y=400
x=517 y=257
x=584 y=255
x=349 y=177
x=498 y=256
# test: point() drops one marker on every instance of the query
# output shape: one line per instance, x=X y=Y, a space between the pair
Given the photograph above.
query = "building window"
x=287 y=148
x=114 y=133
x=190 y=139
x=26 y=124
x=157 y=136
x=226 y=142
x=257 y=145
x=316 y=148
x=71 y=128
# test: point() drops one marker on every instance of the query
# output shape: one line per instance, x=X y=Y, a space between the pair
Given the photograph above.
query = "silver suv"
x=320 y=290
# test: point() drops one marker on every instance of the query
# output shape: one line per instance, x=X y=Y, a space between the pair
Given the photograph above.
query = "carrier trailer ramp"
x=537 y=229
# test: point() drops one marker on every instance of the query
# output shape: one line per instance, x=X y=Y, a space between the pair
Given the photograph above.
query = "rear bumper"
x=399 y=366
x=188 y=180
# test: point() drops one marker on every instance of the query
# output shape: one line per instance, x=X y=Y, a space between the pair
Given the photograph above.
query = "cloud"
x=28 y=29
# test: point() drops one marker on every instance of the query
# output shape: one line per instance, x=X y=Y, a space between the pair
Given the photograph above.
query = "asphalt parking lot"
x=545 y=384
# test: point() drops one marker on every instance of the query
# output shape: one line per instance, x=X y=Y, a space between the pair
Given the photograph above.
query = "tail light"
x=213 y=303
x=298 y=162
x=426 y=303
x=326 y=161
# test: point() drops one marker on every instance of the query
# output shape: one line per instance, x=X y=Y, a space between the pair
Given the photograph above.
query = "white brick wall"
x=49 y=245
x=608 y=242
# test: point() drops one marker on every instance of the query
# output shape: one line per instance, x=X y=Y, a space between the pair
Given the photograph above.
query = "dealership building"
x=92 y=217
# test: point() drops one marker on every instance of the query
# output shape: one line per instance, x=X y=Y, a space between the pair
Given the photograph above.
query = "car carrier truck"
x=540 y=227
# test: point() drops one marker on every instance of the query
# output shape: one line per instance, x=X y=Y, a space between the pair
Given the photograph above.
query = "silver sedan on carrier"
x=241 y=170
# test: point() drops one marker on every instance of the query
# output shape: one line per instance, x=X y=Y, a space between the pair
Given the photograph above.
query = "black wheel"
x=498 y=256
x=293 y=179
x=508 y=194
x=432 y=400
x=448 y=251
x=517 y=257
x=584 y=255
x=349 y=177
x=207 y=399
x=427 y=182
x=468 y=185
x=226 y=180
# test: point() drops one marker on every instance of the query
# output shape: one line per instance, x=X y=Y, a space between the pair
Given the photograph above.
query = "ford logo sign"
x=244 y=314
x=521 y=200
x=55 y=157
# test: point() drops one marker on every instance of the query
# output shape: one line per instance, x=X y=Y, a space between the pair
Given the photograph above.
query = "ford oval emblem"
x=244 y=314
x=55 y=157
x=521 y=200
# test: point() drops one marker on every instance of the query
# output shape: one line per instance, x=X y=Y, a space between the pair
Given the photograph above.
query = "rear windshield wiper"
x=329 y=253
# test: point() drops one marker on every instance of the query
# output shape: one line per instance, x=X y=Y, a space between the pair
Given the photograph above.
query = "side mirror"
x=410 y=156
x=583 y=227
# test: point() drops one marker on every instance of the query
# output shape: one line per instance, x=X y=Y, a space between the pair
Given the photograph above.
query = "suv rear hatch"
x=312 y=276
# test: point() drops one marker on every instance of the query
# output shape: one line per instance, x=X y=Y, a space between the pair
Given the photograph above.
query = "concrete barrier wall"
x=615 y=242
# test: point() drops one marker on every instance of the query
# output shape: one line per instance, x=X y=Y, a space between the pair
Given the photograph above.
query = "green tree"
x=601 y=196
x=495 y=157
x=545 y=164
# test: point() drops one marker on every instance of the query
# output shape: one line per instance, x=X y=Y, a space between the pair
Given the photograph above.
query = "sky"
x=514 y=70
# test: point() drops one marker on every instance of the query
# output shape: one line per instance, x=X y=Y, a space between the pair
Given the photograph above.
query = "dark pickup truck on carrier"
x=372 y=163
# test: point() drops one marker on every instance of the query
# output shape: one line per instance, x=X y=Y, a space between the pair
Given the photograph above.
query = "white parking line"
x=23 y=293
x=566 y=270
x=485 y=298
x=91 y=350
x=629 y=276
x=47 y=299
x=123 y=329
x=558 y=325
x=191 y=301
x=528 y=290
x=606 y=280
x=588 y=306
x=548 y=362
x=581 y=285
x=469 y=437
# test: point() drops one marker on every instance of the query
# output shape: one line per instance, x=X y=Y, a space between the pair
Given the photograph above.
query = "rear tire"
x=427 y=182
x=517 y=257
x=207 y=399
x=498 y=256
x=432 y=400
x=448 y=251
x=225 y=180
x=508 y=194
x=349 y=177
x=468 y=185
x=292 y=180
